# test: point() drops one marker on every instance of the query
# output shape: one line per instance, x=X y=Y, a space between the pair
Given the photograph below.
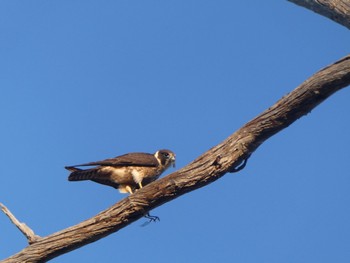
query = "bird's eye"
x=166 y=155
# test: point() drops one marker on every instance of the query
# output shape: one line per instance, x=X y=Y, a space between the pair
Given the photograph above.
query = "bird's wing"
x=129 y=159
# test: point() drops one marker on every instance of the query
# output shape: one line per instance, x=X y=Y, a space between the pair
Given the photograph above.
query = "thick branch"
x=337 y=10
x=207 y=168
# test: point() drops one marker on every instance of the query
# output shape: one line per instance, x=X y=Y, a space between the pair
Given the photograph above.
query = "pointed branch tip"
x=27 y=231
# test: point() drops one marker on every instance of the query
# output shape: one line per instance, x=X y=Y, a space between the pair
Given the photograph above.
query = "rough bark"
x=221 y=159
x=337 y=10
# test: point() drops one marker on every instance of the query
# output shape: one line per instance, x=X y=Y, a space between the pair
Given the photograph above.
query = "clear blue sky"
x=86 y=80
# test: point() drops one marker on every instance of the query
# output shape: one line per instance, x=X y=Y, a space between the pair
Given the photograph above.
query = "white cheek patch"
x=136 y=175
x=158 y=159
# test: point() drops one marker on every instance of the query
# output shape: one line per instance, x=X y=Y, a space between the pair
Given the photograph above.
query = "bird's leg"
x=152 y=218
x=147 y=215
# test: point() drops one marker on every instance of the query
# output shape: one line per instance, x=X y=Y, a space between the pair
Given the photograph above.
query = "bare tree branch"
x=225 y=157
x=229 y=156
x=27 y=231
x=337 y=10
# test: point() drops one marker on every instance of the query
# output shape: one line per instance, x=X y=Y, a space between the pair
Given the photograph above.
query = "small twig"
x=29 y=233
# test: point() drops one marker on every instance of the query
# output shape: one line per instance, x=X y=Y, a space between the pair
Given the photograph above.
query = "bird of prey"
x=126 y=172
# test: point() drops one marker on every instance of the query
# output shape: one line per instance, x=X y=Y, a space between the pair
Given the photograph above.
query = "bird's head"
x=165 y=158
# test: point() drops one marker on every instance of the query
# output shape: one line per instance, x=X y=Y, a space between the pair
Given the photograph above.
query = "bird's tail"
x=80 y=175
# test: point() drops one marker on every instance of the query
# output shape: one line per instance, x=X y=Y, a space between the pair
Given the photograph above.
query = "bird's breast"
x=130 y=175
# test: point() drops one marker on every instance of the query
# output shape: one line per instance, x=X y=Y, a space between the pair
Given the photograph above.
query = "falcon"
x=127 y=172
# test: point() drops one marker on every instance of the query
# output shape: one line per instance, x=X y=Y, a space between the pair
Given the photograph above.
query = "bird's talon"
x=152 y=218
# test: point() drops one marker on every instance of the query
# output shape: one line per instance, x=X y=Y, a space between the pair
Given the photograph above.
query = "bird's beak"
x=173 y=161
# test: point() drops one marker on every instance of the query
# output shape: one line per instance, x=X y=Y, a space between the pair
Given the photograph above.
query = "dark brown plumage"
x=126 y=172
